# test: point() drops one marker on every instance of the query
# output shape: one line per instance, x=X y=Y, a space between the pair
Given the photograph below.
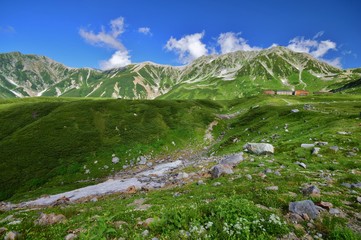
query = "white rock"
x=259 y=148
x=115 y=160
x=307 y=145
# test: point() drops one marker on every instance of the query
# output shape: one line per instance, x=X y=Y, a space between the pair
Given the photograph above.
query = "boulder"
x=316 y=150
x=232 y=160
x=311 y=190
x=259 y=148
x=220 y=170
x=49 y=219
x=304 y=207
x=307 y=145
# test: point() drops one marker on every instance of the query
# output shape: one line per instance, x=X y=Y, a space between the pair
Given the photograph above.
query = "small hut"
x=284 y=92
x=301 y=93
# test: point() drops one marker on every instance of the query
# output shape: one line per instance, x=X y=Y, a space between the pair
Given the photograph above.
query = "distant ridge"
x=226 y=76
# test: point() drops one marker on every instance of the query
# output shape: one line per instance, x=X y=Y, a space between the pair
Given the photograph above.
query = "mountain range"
x=226 y=76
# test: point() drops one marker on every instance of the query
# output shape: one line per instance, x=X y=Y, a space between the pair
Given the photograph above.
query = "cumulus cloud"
x=231 y=42
x=145 y=30
x=188 y=48
x=109 y=39
x=314 y=47
x=118 y=59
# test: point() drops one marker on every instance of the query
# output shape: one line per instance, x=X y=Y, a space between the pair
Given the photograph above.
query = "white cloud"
x=118 y=59
x=319 y=34
x=316 y=48
x=109 y=39
x=7 y=29
x=188 y=48
x=145 y=30
x=336 y=62
x=231 y=42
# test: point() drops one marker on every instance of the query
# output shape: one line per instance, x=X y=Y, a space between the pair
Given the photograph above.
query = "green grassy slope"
x=194 y=210
x=45 y=143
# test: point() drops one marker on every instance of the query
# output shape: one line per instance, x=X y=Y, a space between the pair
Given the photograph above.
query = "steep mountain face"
x=225 y=76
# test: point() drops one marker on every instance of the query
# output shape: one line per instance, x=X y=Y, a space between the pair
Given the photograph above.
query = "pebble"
x=272 y=188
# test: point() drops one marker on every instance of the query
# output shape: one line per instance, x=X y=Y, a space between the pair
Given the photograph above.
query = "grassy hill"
x=47 y=144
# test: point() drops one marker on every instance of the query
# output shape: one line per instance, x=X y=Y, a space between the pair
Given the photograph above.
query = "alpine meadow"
x=235 y=141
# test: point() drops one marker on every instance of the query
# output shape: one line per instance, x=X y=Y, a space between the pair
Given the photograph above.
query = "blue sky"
x=105 y=34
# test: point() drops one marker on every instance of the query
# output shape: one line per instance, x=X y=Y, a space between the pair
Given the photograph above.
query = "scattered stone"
x=321 y=143
x=262 y=175
x=217 y=184
x=142 y=160
x=249 y=176
x=334 y=148
x=304 y=207
x=13 y=236
x=8 y=219
x=334 y=211
x=316 y=150
x=200 y=182
x=148 y=221
x=358 y=199
x=259 y=148
x=272 y=188
x=131 y=189
x=119 y=224
x=49 y=219
x=307 y=145
x=268 y=170
x=294 y=217
x=182 y=175
x=232 y=160
x=325 y=205
x=145 y=233
x=311 y=191
x=61 y=201
x=351 y=154
x=149 y=164
x=220 y=170
x=295 y=110
x=352 y=185
x=261 y=165
x=277 y=173
x=344 y=133
x=16 y=222
x=308 y=107
x=71 y=236
x=3 y=230
x=177 y=194
x=94 y=199
x=301 y=164
x=115 y=160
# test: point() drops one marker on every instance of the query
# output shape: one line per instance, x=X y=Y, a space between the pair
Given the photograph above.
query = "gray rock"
x=145 y=233
x=272 y=188
x=321 y=143
x=334 y=148
x=232 y=160
x=3 y=230
x=334 y=211
x=277 y=173
x=249 y=176
x=356 y=185
x=295 y=110
x=220 y=170
x=308 y=107
x=13 y=236
x=217 y=184
x=307 y=145
x=301 y=164
x=311 y=190
x=142 y=160
x=344 y=133
x=71 y=236
x=268 y=170
x=304 y=207
x=115 y=160
x=358 y=199
x=316 y=150
x=259 y=148
x=348 y=185
x=49 y=219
